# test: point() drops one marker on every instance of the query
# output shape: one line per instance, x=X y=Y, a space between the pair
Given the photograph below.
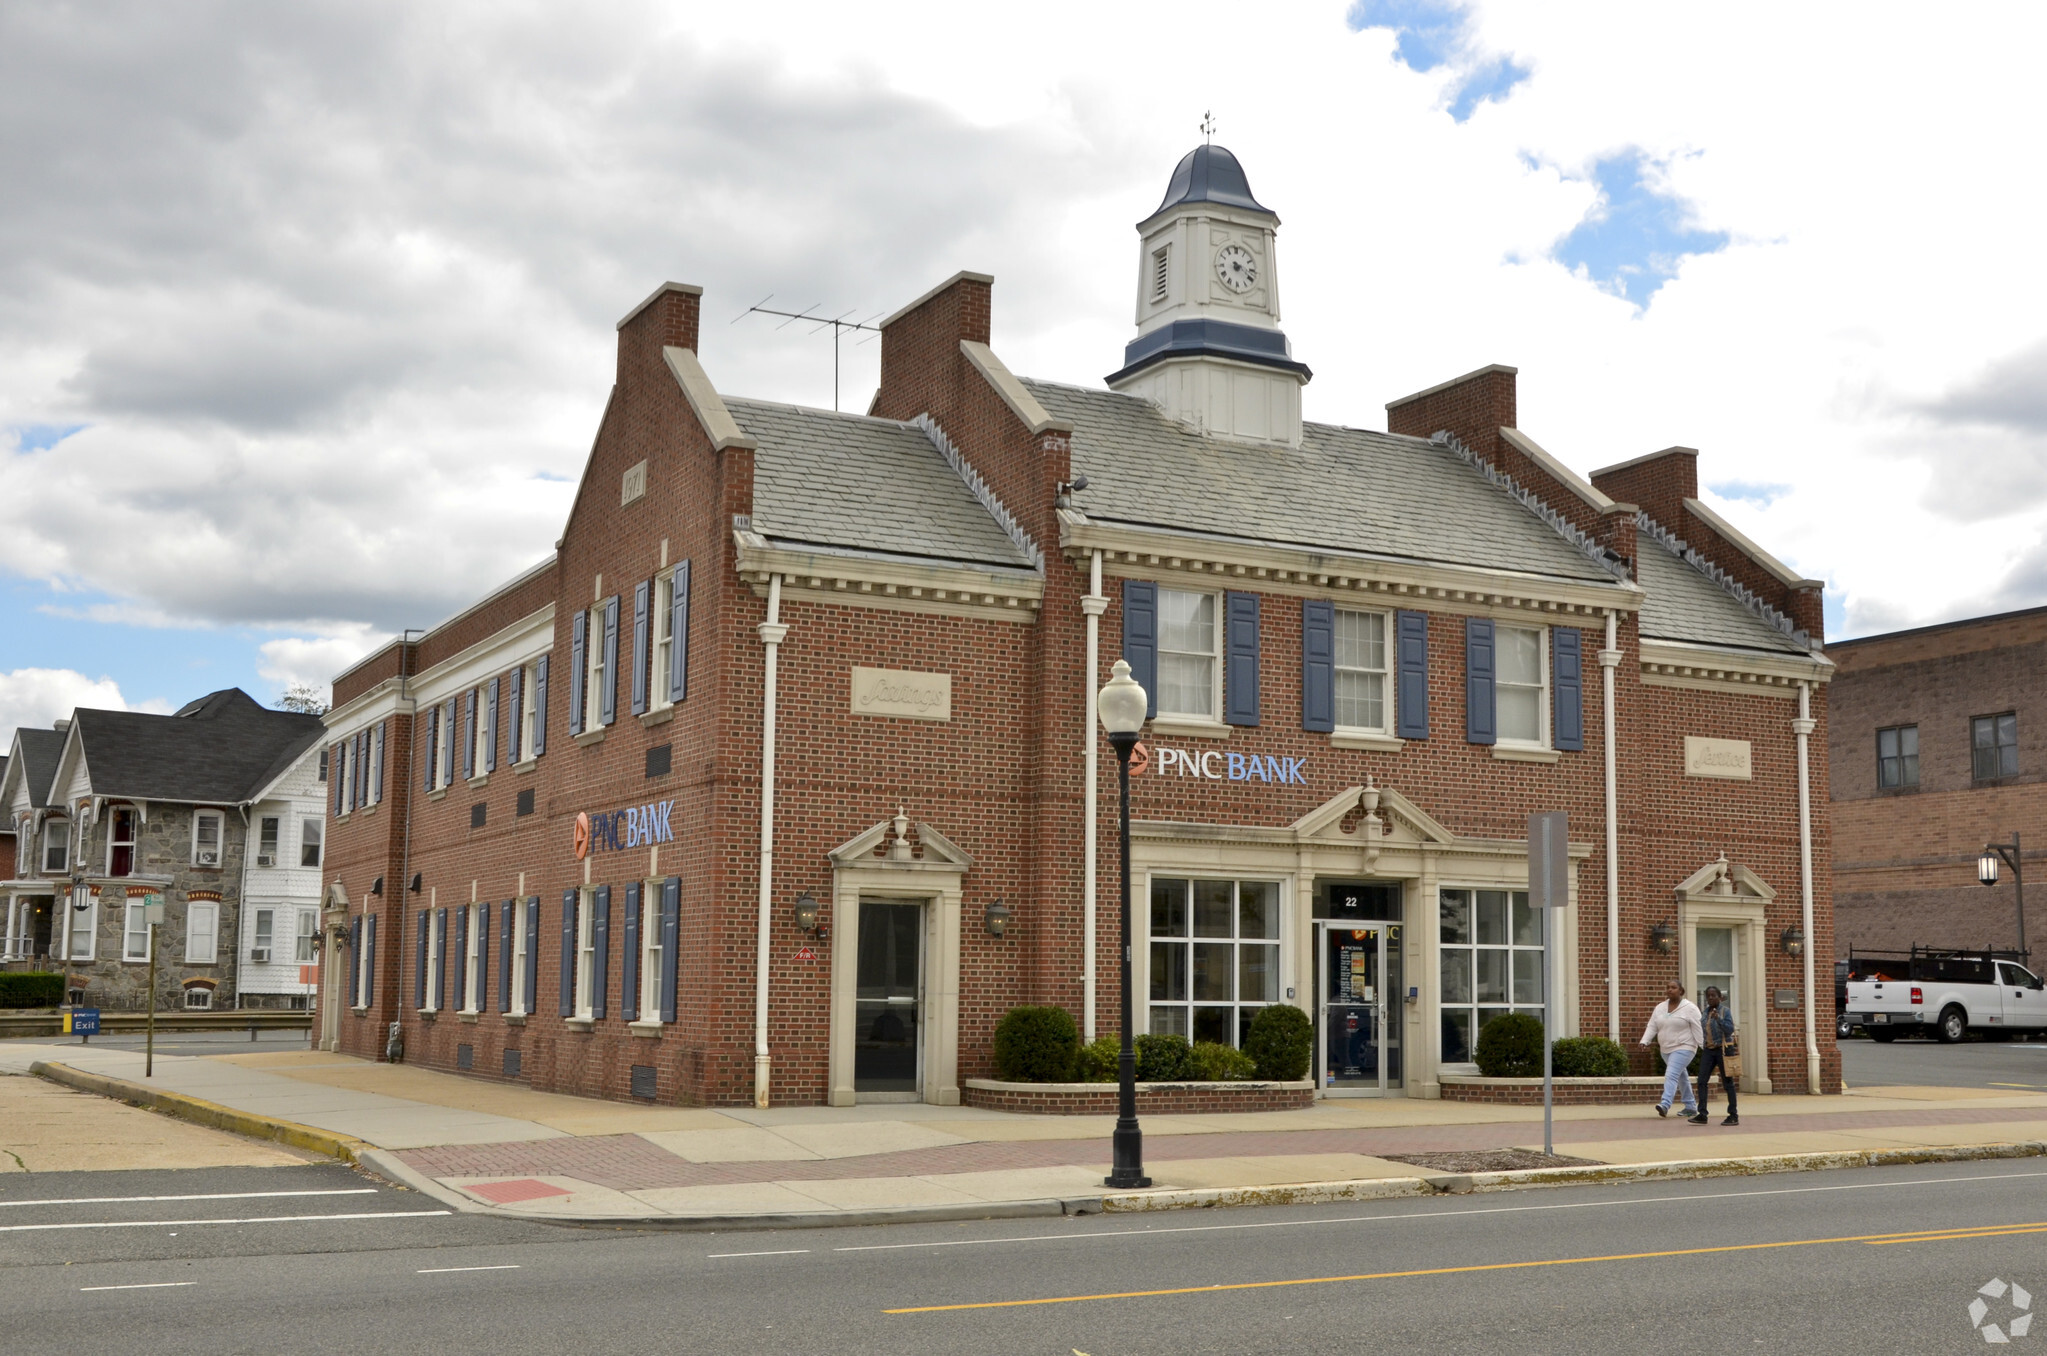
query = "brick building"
x=779 y=780
x=1936 y=749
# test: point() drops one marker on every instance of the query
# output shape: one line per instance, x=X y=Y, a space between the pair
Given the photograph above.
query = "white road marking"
x=260 y=1219
x=1424 y=1214
x=779 y=1252
x=146 y=1285
x=436 y=1271
x=215 y=1196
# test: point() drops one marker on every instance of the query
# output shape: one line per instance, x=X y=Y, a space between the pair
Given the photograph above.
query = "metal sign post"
x=152 y=913
x=1549 y=889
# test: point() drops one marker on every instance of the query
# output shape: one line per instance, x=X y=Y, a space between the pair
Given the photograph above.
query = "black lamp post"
x=1986 y=871
x=1121 y=706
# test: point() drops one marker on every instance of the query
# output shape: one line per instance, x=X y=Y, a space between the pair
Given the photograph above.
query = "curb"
x=1460 y=1183
x=347 y=1148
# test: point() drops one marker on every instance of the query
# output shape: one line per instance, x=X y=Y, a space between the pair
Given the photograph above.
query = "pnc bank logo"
x=634 y=826
x=1217 y=766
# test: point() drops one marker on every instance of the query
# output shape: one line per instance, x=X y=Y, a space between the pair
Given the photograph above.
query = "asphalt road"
x=1797 y=1262
x=1972 y=1064
x=181 y=1042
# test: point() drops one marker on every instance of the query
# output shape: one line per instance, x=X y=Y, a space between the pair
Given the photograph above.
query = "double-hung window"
x=529 y=710
x=1994 y=746
x=121 y=821
x=260 y=947
x=1897 y=757
x=479 y=748
x=1521 y=697
x=664 y=640
x=202 y=932
x=1189 y=666
x=310 y=829
x=268 y=830
x=473 y=959
x=308 y=936
x=82 y=926
x=1363 y=696
x=586 y=955
x=518 y=989
x=135 y=930
x=1214 y=956
x=450 y=722
x=56 y=847
x=650 y=951
x=1492 y=963
x=596 y=678
x=206 y=838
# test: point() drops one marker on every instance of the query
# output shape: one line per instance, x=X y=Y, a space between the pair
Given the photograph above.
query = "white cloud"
x=38 y=697
x=313 y=660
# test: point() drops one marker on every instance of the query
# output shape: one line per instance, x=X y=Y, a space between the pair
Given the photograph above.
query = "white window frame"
x=482 y=737
x=1541 y=685
x=1524 y=959
x=586 y=953
x=269 y=839
x=133 y=842
x=81 y=922
x=1728 y=981
x=650 y=951
x=203 y=994
x=219 y=819
x=194 y=911
x=1280 y=949
x=593 y=677
x=451 y=720
x=305 y=944
x=359 y=987
x=263 y=935
x=136 y=912
x=312 y=834
x=342 y=809
x=1387 y=720
x=529 y=717
x=472 y=959
x=518 y=1004
x=659 y=678
x=56 y=834
x=1214 y=655
x=436 y=940
x=323 y=765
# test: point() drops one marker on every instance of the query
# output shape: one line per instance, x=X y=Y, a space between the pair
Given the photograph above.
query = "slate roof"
x=1683 y=604
x=1343 y=489
x=1210 y=174
x=40 y=750
x=850 y=482
x=220 y=750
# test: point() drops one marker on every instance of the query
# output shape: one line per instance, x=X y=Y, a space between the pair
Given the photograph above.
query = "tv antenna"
x=838 y=325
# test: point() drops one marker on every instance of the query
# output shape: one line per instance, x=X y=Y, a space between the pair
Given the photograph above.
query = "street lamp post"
x=1986 y=871
x=1122 y=704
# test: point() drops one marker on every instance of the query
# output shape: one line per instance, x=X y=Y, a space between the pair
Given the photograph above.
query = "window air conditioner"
x=208 y=857
x=260 y=955
x=266 y=859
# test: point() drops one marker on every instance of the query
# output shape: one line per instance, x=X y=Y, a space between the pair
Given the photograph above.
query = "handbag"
x=1730 y=1059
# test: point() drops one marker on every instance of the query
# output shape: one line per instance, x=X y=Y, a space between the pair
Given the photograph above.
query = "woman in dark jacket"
x=1718 y=1024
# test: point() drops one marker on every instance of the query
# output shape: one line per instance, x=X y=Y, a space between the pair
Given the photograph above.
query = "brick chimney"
x=666 y=319
x=922 y=368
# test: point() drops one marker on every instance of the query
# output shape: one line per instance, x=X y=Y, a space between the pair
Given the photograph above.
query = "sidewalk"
x=506 y=1149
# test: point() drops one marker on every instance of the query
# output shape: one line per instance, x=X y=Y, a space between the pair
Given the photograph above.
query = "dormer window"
x=56 y=847
x=1161 y=272
x=121 y=841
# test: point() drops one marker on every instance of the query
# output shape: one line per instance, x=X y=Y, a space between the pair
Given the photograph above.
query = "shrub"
x=1510 y=1046
x=31 y=989
x=1163 y=1059
x=1587 y=1057
x=1214 y=1062
x=1279 y=1043
x=1036 y=1045
x=1098 y=1058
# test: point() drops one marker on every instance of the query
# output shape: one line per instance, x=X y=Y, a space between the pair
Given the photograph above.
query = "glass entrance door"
x=888 y=1002
x=1358 y=1047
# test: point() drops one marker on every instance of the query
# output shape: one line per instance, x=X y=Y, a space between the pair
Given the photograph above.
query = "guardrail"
x=134 y=1023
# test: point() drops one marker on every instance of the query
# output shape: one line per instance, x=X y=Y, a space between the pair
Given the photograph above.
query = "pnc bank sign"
x=635 y=826
x=1217 y=766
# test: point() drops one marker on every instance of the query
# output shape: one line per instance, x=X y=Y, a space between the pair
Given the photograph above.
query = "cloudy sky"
x=306 y=311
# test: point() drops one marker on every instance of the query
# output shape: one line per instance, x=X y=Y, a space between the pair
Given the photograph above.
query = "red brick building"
x=779 y=780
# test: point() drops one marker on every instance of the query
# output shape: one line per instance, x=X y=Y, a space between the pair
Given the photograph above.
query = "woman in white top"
x=1674 y=1029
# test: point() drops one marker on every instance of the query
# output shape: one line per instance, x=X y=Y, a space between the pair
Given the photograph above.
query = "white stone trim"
x=704 y=401
x=1564 y=475
x=1777 y=568
x=1021 y=402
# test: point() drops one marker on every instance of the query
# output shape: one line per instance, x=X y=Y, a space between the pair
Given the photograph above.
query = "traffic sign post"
x=152 y=914
x=1549 y=889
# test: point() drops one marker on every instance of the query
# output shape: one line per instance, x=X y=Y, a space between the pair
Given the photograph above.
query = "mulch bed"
x=1491 y=1160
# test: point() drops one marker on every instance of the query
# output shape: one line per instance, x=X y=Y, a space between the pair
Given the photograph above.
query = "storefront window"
x=1492 y=963
x=1214 y=956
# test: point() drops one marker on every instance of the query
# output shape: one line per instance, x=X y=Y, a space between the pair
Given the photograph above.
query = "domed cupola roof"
x=1211 y=174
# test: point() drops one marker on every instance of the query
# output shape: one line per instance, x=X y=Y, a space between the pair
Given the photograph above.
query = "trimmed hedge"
x=1164 y=1059
x=1036 y=1045
x=1587 y=1057
x=1214 y=1062
x=1510 y=1046
x=1279 y=1043
x=31 y=989
x=1098 y=1058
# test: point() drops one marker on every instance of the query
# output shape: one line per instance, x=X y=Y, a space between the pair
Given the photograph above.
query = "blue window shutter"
x=469 y=734
x=1141 y=638
x=426 y=922
x=642 y=643
x=600 y=941
x=671 y=920
x=490 y=723
x=448 y=724
x=359 y=783
x=355 y=771
x=1481 y=714
x=531 y=982
x=355 y=962
x=334 y=776
x=607 y=695
x=1240 y=661
x=369 y=969
x=629 y=958
x=1567 y=687
x=433 y=744
x=568 y=1006
x=515 y=714
x=540 y=707
x=579 y=665
x=678 y=629
x=507 y=920
x=1411 y=691
x=455 y=950
x=382 y=730
x=1318 y=665
x=447 y=954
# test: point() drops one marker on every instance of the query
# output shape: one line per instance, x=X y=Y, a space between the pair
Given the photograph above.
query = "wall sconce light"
x=1792 y=939
x=998 y=919
x=1664 y=938
x=806 y=913
x=377 y=888
x=415 y=882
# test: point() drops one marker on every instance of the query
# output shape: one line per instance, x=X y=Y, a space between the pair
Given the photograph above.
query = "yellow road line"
x=1919 y=1236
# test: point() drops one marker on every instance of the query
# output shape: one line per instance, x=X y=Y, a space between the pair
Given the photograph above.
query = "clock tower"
x=1209 y=351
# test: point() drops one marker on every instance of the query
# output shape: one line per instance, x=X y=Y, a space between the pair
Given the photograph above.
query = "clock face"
x=1237 y=269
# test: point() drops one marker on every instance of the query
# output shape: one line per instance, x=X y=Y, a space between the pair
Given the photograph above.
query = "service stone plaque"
x=1727 y=758
x=903 y=694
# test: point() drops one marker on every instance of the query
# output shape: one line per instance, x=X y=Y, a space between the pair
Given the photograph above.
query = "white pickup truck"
x=1948 y=998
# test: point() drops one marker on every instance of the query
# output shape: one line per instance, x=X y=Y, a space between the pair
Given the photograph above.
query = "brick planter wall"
x=1565 y=1092
x=1153 y=1099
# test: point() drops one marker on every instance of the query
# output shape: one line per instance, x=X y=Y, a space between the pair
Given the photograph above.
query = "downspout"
x=404 y=884
x=1609 y=660
x=1094 y=604
x=1803 y=728
x=772 y=632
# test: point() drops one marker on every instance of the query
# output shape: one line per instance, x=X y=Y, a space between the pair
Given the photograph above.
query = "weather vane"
x=1208 y=127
